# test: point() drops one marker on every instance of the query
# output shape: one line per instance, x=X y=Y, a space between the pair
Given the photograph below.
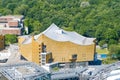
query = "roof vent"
x=59 y=31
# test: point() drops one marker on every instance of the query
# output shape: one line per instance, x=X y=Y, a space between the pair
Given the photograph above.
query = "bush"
x=10 y=39
x=112 y=41
x=109 y=61
x=101 y=43
x=114 y=51
x=55 y=69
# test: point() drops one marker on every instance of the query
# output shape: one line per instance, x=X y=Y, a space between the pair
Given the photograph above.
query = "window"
x=74 y=56
x=43 y=63
x=43 y=56
x=43 y=60
x=43 y=48
x=40 y=58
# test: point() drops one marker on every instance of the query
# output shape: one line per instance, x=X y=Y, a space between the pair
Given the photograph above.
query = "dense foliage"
x=92 y=18
x=10 y=39
x=114 y=54
x=114 y=51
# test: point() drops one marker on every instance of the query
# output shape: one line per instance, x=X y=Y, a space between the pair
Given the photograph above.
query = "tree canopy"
x=114 y=51
x=10 y=39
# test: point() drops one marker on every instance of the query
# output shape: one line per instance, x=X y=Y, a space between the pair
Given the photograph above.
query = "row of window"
x=43 y=47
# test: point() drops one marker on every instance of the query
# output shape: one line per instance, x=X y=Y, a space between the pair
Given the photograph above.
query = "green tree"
x=22 y=9
x=37 y=27
x=10 y=39
x=11 y=6
x=111 y=34
x=99 y=34
x=112 y=41
x=5 y=11
x=114 y=51
x=102 y=42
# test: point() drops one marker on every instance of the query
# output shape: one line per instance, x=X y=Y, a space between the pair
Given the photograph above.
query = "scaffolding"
x=86 y=73
x=29 y=71
x=33 y=71
x=104 y=72
x=69 y=73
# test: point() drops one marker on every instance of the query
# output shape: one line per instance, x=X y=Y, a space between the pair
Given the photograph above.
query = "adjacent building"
x=57 y=45
x=11 y=24
x=23 y=71
x=2 y=42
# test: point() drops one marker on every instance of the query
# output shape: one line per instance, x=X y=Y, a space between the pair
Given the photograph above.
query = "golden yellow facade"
x=30 y=51
x=2 y=45
x=61 y=51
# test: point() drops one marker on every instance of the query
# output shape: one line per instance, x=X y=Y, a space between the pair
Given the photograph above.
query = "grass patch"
x=102 y=51
x=55 y=69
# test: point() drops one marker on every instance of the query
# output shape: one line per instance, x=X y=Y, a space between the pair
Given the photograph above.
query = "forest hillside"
x=91 y=18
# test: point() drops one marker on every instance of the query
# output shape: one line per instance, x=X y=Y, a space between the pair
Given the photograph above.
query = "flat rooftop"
x=23 y=70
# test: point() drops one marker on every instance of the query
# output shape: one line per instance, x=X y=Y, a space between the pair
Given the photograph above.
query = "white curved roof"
x=28 y=39
x=57 y=34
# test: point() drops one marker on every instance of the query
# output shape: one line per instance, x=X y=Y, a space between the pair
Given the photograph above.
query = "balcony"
x=73 y=57
x=46 y=57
